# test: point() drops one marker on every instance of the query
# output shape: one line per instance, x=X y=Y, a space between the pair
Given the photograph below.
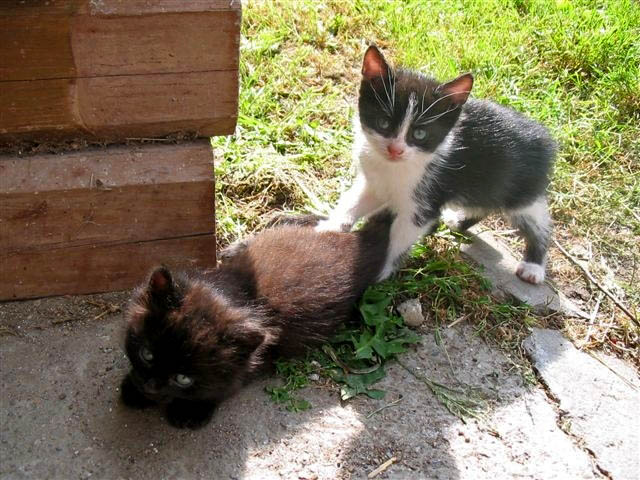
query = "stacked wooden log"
x=113 y=87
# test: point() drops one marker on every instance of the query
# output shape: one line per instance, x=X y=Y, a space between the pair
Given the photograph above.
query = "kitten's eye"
x=419 y=133
x=383 y=123
x=146 y=355
x=183 y=380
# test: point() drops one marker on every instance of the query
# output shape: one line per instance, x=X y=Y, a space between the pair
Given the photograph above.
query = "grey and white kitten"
x=424 y=149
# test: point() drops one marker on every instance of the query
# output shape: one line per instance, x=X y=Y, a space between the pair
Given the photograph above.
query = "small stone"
x=411 y=311
x=314 y=377
x=62 y=396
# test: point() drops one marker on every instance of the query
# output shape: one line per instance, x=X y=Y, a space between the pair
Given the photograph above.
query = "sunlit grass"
x=572 y=65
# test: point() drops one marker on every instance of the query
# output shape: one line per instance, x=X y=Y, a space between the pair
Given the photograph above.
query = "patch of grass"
x=355 y=357
x=295 y=375
x=570 y=64
x=448 y=288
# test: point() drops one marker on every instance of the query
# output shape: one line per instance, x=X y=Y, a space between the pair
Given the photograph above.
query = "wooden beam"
x=91 y=46
x=62 y=214
x=16 y=8
x=119 y=107
x=109 y=70
x=98 y=268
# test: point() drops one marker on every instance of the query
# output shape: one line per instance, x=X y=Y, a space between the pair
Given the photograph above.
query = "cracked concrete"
x=499 y=267
x=61 y=418
x=598 y=400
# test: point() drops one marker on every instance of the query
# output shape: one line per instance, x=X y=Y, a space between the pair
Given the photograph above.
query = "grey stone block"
x=499 y=268
x=601 y=402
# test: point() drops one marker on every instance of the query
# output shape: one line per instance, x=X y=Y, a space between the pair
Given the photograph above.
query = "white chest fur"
x=393 y=182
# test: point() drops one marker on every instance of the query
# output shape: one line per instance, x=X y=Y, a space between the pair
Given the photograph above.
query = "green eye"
x=419 y=133
x=183 y=380
x=383 y=123
x=146 y=355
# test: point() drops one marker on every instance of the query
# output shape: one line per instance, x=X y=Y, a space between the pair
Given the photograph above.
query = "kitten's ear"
x=457 y=90
x=374 y=64
x=160 y=281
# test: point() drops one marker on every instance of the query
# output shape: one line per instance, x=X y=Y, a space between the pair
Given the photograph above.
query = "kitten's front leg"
x=356 y=202
x=190 y=413
x=405 y=231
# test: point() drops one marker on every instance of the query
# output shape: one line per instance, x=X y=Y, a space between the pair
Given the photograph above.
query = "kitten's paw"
x=530 y=272
x=186 y=414
x=131 y=396
x=386 y=272
x=452 y=219
x=333 y=226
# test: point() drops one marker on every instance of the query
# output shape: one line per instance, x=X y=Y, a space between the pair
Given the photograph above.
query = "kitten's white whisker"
x=384 y=84
x=438 y=100
x=422 y=101
x=392 y=86
x=384 y=107
x=433 y=118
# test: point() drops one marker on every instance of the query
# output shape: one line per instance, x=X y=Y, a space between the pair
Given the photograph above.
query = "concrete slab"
x=600 y=401
x=499 y=267
x=60 y=416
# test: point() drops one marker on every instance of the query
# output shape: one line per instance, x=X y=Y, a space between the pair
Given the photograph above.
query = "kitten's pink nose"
x=395 y=150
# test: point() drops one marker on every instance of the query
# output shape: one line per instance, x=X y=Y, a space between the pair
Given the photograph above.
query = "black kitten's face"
x=405 y=115
x=185 y=342
x=166 y=365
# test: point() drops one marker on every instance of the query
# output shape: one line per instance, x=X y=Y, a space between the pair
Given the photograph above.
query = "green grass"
x=356 y=357
x=572 y=65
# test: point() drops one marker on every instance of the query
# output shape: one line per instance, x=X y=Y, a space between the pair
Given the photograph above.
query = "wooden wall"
x=117 y=73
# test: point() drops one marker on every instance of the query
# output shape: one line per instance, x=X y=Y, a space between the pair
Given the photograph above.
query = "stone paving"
x=60 y=417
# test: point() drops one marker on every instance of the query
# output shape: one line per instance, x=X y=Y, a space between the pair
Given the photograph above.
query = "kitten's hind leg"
x=534 y=224
x=233 y=249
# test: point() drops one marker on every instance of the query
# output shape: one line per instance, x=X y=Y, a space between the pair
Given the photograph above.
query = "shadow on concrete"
x=61 y=416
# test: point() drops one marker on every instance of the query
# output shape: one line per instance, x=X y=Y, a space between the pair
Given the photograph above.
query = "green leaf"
x=364 y=345
x=298 y=405
x=375 y=394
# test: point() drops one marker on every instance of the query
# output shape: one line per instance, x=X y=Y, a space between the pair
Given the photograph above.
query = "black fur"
x=284 y=290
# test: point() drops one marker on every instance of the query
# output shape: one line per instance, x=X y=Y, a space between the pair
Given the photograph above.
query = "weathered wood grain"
x=16 y=8
x=119 y=107
x=63 y=214
x=111 y=70
x=37 y=48
x=98 y=268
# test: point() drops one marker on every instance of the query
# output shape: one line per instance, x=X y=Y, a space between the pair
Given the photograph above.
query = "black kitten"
x=193 y=340
x=423 y=147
